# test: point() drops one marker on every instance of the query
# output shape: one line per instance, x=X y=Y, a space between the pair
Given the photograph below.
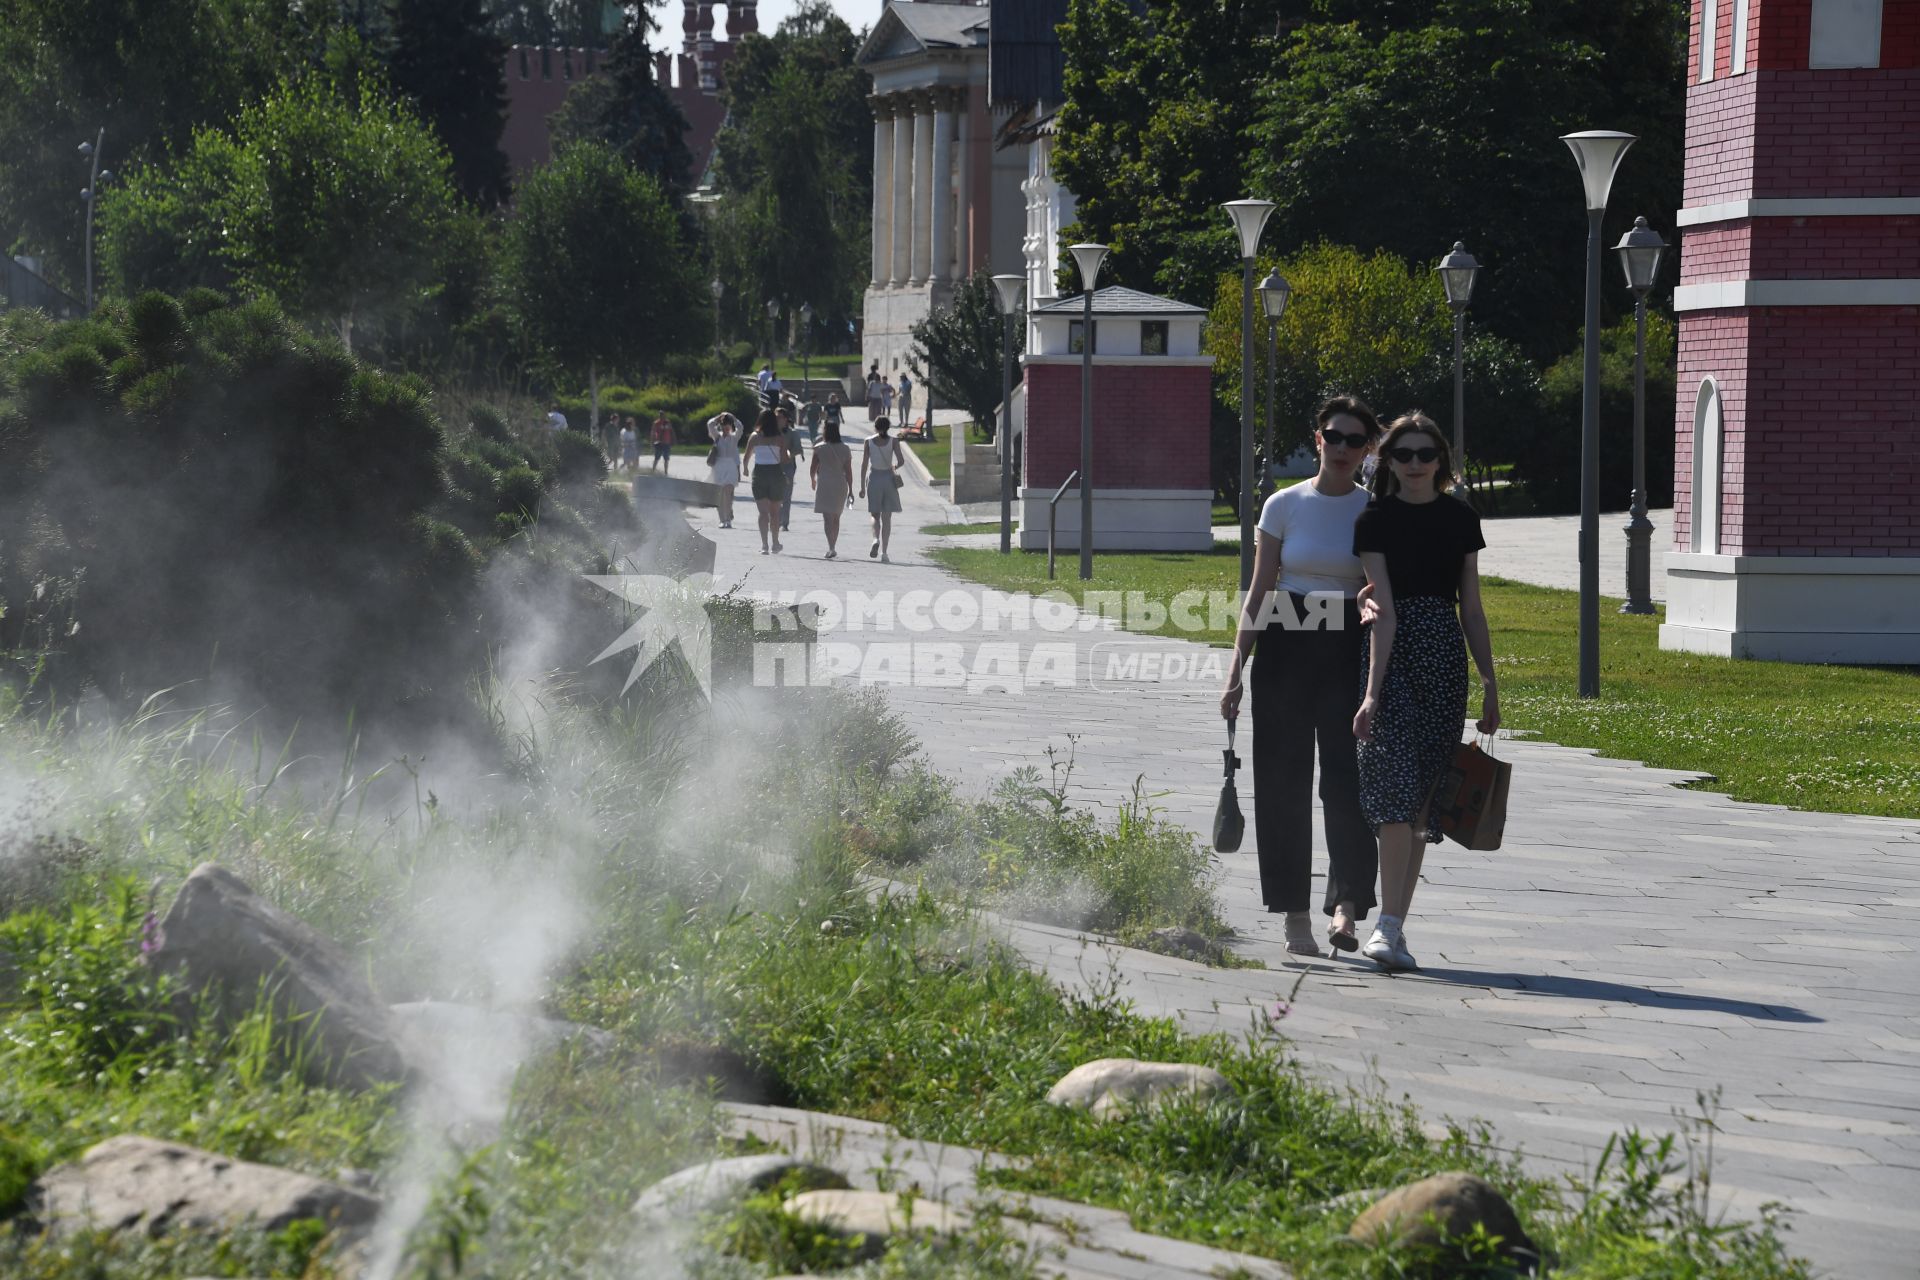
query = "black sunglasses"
x=1332 y=436
x=1404 y=454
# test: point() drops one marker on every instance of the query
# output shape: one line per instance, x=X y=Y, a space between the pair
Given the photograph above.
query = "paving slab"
x=1662 y=940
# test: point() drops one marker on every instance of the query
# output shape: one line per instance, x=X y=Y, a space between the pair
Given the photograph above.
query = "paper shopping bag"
x=1470 y=802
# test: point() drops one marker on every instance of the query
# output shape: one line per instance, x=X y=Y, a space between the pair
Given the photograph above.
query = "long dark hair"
x=768 y=423
x=1413 y=422
x=830 y=430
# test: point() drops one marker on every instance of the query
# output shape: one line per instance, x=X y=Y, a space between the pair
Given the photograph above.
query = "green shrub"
x=487 y=423
x=1548 y=459
x=18 y=1168
x=520 y=490
x=687 y=405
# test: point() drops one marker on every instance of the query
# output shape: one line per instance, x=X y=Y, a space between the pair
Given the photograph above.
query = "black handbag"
x=1228 y=823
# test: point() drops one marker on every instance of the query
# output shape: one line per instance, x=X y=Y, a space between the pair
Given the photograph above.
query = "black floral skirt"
x=1416 y=724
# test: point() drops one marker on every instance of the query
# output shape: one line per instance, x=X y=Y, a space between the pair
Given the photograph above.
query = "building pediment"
x=907 y=30
x=888 y=40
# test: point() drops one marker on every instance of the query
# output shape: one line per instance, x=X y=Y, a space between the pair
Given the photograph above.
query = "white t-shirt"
x=556 y=421
x=1316 y=538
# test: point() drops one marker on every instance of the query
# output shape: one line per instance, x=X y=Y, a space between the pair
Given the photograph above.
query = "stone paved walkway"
x=1633 y=945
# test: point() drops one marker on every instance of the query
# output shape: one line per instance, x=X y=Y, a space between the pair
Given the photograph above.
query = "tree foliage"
x=795 y=166
x=595 y=267
x=579 y=24
x=627 y=109
x=449 y=62
x=1151 y=137
x=957 y=350
x=1407 y=128
x=1548 y=459
x=148 y=74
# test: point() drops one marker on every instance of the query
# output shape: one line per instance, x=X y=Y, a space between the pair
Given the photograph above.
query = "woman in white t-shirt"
x=1302 y=612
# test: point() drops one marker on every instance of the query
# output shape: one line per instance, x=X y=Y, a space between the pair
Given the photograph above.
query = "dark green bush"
x=1549 y=459
x=487 y=423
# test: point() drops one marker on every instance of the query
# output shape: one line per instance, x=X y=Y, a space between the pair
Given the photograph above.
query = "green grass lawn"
x=985 y=527
x=937 y=455
x=1840 y=739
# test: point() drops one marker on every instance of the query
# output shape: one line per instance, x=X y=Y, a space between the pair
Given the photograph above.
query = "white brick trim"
x=1102 y=360
x=1837 y=207
x=1718 y=294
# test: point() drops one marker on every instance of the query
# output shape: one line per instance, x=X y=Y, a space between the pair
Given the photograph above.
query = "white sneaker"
x=1389 y=951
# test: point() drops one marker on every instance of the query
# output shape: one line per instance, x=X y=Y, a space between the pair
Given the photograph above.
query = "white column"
x=922 y=187
x=963 y=184
x=940 y=264
x=882 y=189
x=900 y=193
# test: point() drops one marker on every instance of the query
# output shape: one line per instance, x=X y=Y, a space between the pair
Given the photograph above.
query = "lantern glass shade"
x=1457 y=273
x=1274 y=292
x=716 y=288
x=806 y=313
x=1598 y=152
x=1009 y=288
x=1088 y=258
x=1249 y=220
x=1640 y=251
x=773 y=307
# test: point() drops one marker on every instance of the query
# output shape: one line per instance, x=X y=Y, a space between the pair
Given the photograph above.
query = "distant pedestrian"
x=556 y=420
x=876 y=401
x=629 y=447
x=762 y=378
x=791 y=466
x=886 y=400
x=771 y=390
x=662 y=443
x=880 y=485
x=834 y=412
x=723 y=461
x=1420 y=552
x=906 y=399
x=832 y=475
x=766 y=454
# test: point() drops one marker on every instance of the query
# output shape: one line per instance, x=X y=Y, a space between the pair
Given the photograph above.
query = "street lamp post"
x=773 y=337
x=1457 y=271
x=1009 y=288
x=90 y=152
x=1640 y=251
x=716 y=289
x=1598 y=153
x=1274 y=292
x=806 y=350
x=1088 y=258
x=1249 y=218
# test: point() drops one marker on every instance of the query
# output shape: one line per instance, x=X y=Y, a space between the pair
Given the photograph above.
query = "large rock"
x=876 y=1215
x=1115 y=1086
x=718 y=1184
x=220 y=934
x=1447 y=1204
x=132 y=1183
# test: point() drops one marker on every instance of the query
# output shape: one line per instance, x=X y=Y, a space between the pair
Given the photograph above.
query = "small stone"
x=1111 y=1086
x=876 y=1215
x=1447 y=1203
x=718 y=1184
x=132 y=1183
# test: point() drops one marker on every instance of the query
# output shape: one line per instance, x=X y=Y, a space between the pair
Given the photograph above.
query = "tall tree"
x=1405 y=129
x=337 y=207
x=627 y=109
x=957 y=350
x=596 y=269
x=794 y=166
x=449 y=61
x=1151 y=135
x=148 y=74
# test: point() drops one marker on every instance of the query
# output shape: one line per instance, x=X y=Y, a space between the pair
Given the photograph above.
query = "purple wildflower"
x=149 y=935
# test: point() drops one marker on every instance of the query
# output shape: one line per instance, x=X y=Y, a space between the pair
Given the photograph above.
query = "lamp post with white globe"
x=1274 y=292
x=1249 y=219
x=1640 y=251
x=1457 y=272
x=1598 y=153
x=1088 y=258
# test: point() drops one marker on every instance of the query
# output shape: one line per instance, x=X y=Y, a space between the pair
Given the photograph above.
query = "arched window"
x=1705 y=539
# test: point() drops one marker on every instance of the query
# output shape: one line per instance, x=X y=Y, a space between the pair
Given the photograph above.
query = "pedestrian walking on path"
x=723 y=461
x=886 y=400
x=766 y=452
x=835 y=411
x=663 y=443
x=791 y=467
x=906 y=400
x=1418 y=547
x=629 y=446
x=1300 y=622
x=880 y=485
x=832 y=476
x=876 y=400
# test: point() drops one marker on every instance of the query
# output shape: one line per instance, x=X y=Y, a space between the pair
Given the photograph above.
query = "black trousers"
x=1305 y=685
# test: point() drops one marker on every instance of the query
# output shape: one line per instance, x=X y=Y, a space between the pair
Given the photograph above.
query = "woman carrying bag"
x=1301 y=612
x=1419 y=548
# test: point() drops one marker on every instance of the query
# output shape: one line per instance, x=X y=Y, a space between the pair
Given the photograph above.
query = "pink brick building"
x=1797 y=458
x=1151 y=400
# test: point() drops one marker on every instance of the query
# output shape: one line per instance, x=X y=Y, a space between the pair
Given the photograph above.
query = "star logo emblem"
x=673 y=612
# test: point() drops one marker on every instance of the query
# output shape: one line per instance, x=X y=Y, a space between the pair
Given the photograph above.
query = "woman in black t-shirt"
x=1418 y=548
